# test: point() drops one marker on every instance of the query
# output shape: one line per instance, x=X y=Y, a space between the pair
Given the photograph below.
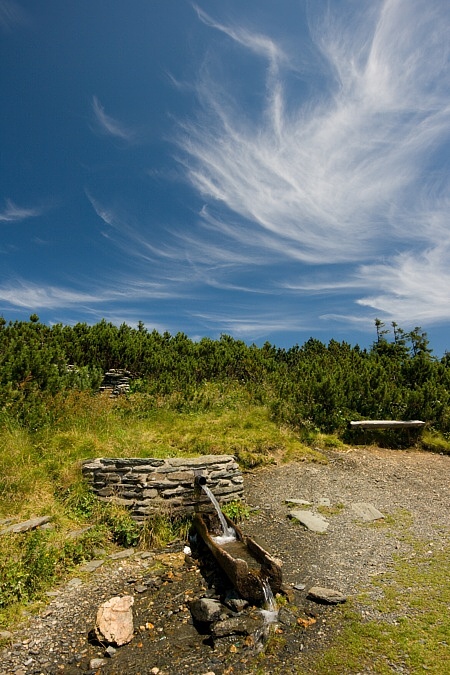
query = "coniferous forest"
x=312 y=386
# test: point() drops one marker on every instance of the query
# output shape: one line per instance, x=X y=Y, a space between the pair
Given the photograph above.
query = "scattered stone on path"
x=299 y=587
x=122 y=554
x=91 y=565
x=73 y=583
x=298 y=502
x=5 y=635
x=114 y=622
x=326 y=595
x=366 y=512
x=323 y=501
x=310 y=520
x=94 y=664
x=206 y=610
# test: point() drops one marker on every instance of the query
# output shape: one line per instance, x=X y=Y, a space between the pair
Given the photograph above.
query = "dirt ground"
x=410 y=488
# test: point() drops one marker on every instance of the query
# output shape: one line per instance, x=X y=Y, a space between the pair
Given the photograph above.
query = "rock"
x=140 y=588
x=147 y=554
x=122 y=554
x=297 y=502
x=286 y=616
x=238 y=625
x=110 y=651
x=324 y=501
x=299 y=587
x=366 y=512
x=5 y=635
x=234 y=601
x=114 y=622
x=310 y=520
x=91 y=565
x=73 y=583
x=96 y=663
x=206 y=610
x=27 y=525
x=326 y=595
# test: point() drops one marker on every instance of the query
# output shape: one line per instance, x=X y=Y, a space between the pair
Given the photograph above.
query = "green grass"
x=413 y=632
x=435 y=442
x=40 y=473
x=36 y=466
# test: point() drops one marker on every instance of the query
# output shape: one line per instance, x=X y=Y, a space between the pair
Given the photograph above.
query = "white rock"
x=115 y=620
x=366 y=512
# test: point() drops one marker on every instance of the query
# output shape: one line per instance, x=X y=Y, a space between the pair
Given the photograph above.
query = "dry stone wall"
x=146 y=485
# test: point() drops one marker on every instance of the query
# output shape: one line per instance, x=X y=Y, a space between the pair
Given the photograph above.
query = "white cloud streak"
x=13 y=213
x=108 y=125
x=351 y=175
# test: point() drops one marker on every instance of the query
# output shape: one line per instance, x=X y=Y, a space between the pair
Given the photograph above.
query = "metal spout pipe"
x=199 y=478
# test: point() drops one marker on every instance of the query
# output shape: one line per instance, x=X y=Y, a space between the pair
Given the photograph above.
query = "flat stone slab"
x=297 y=502
x=367 y=512
x=326 y=595
x=27 y=525
x=91 y=566
x=122 y=554
x=310 y=520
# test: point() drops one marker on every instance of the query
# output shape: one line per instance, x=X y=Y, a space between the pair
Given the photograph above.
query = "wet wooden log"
x=245 y=562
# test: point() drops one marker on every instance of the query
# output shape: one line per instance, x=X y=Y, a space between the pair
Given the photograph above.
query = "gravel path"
x=410 y=488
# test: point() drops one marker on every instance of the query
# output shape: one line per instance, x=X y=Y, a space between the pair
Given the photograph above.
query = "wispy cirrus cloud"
x=12 y=15
x=350 y=176
x=22 y=293
x=12 y=213
x=25 y=294
x=108 y=125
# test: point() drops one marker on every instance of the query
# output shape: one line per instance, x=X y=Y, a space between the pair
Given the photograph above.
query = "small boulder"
x=206 y=610
x=327 y=596
x=234 y=601
x=114 y=623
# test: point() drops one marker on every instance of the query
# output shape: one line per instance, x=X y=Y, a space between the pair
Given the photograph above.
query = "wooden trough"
x=245 y=562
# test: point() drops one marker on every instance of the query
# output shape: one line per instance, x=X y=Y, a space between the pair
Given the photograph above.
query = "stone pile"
x=116 y=381
x=149 y=485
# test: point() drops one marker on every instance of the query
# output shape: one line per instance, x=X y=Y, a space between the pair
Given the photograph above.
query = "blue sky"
x=269 y=170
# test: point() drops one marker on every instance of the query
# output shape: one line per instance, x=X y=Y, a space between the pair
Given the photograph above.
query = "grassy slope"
x=40 y=474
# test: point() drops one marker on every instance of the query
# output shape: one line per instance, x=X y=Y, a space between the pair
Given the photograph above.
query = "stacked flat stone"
x=116 y=381
x=146 y=485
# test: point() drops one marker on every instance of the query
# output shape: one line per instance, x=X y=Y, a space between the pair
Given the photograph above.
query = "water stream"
x=270 y=611
x=228 y=533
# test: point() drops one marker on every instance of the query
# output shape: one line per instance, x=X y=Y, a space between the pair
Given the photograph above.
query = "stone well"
x=149 y=485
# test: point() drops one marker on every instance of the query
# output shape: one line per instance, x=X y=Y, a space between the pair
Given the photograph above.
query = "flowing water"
x=270 y=611
x=228 y=533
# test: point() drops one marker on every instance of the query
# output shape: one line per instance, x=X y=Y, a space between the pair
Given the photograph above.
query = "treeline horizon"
x=313 y=386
